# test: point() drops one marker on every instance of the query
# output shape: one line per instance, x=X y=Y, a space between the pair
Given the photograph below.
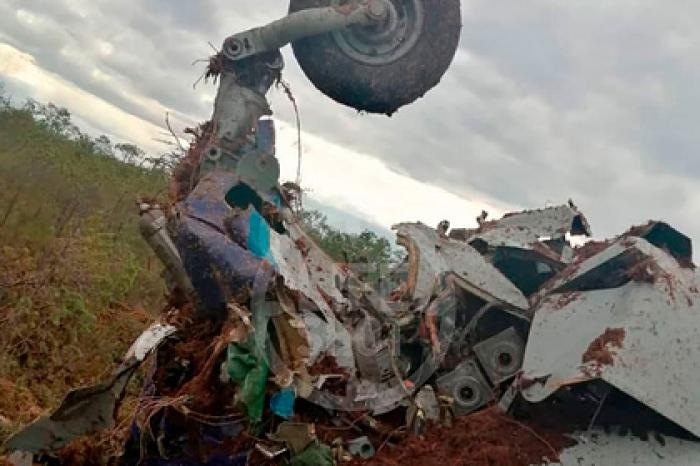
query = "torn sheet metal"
x=88 y=409
x=551 y=222
x=372 y=351
x=296 y=435
x=219 y=267
x=529 y=269
x=207 y=201
x=630 y=316
x=291 y=265
x=83 y=411
x=600 y=448
x=324 y=271
x=329 y=338
x=664 y=236
x=430 y=256
x=542 y=232
x=149 y=340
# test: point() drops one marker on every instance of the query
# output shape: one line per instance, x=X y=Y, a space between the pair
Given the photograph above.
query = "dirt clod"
x=601 y=350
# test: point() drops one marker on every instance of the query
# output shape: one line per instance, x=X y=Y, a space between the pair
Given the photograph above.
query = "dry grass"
x=77 y=283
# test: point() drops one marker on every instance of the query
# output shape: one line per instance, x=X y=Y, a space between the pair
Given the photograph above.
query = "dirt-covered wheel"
x=379 y=69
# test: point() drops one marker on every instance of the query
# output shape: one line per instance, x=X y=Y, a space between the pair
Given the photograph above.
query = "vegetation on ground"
x=77 y=282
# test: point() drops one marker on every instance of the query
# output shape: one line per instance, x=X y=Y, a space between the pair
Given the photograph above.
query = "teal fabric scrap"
x=282 y=403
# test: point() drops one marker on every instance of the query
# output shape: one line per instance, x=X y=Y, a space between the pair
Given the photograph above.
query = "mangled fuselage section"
x=528 y=247
x=471 y=314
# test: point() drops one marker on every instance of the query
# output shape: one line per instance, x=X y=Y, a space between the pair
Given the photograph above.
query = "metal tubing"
x=152 y=226
x=303 y=24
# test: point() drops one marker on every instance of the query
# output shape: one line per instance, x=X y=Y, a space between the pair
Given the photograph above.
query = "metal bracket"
x=303 y=24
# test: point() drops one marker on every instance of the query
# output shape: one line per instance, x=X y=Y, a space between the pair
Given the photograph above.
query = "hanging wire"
x=290 y=96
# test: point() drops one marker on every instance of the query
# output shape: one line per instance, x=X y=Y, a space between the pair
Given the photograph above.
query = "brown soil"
x=644 y=271
x=327 y=365
x=487 y=438
x=601 y=350
x=303 y=247
x=202 y=349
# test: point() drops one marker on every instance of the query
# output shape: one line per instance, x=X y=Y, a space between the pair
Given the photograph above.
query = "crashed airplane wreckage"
x=271 y=352
x=594 y=339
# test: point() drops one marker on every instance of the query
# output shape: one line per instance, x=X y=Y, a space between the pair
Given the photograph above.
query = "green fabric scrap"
x=251 y=374
x=316 y=454
x=247 y=364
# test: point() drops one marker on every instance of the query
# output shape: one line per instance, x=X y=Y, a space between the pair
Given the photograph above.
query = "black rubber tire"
x=384 y=88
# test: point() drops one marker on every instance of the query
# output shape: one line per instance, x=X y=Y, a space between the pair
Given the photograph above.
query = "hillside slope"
x=77 y=283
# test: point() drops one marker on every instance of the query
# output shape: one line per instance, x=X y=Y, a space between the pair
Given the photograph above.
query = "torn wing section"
x=628 y=316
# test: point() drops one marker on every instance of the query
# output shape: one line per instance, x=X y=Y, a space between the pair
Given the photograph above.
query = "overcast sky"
x=547 y=100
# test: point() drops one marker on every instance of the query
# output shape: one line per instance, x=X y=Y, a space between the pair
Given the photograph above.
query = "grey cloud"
x=546 y=100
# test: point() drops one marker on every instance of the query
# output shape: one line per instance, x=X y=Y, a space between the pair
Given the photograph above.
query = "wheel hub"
x=385 y=42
